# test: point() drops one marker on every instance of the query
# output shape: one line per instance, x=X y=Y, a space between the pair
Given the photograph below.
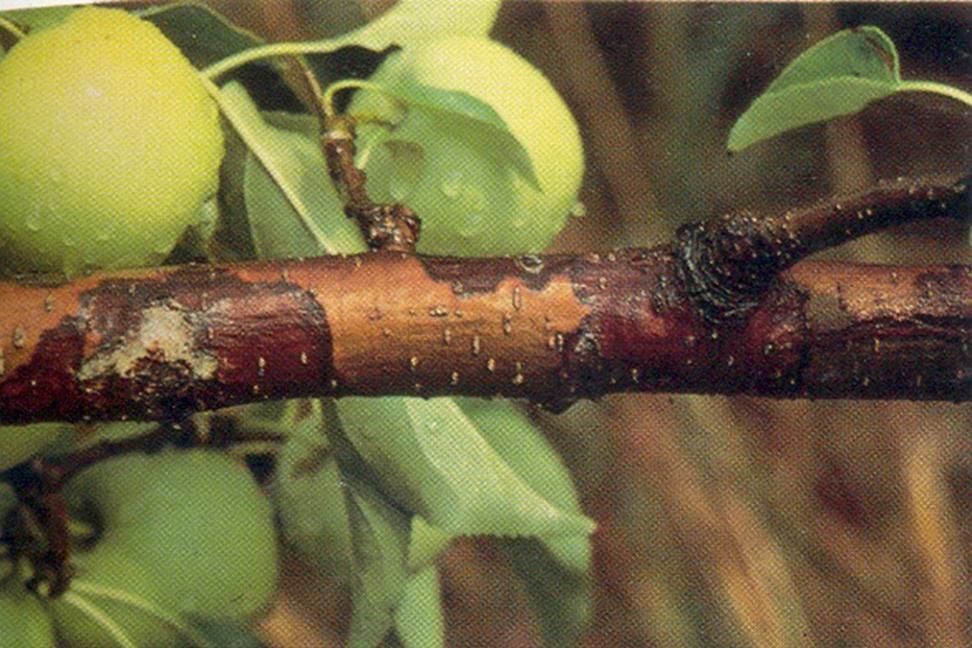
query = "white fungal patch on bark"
x=165 y=335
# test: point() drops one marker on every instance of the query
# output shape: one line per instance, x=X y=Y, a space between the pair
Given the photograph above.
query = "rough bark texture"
x=157 y=344
x=714 y=312
x=727 y=263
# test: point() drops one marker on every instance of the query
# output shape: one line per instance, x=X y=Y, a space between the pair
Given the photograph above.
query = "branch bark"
x=720 y=310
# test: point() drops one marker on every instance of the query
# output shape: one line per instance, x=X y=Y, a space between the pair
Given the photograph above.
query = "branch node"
x=727 y=264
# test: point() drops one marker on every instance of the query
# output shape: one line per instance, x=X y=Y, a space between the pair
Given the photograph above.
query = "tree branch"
x=728 y=263
x=714 y=312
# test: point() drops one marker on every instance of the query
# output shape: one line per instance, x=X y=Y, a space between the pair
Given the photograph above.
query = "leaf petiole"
x=272 y=50
x=12 y=28
x=355 y=84
x=936 y=88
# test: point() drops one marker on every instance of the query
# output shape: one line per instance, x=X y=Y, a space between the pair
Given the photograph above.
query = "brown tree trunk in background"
x=717 y=311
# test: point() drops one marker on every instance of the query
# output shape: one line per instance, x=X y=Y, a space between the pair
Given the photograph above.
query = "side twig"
x=727 y=264
x=393 y=226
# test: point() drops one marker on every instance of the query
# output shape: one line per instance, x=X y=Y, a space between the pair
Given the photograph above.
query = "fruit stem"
x=11 y=28
x=353 y=84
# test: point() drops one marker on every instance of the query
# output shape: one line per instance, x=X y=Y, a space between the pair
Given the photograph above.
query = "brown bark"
x=715 y=312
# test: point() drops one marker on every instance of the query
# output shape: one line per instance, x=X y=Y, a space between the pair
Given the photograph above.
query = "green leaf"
x=292 y=207
x=229 y=634
x=364 y=537
x=838 y=76
x=561 y=597
x=309 y=496
x=408 y=22
x=556 y=570
x=861 y=53
x=408 y=158
x=419 y=622
x=233 y=237
x=412 y=22
x=313 y=514
x=431 y=458
x=470 y=115
x=425 y=544
x=38 y=18
x=522 y=445
x=203 y=35
x=379 y=534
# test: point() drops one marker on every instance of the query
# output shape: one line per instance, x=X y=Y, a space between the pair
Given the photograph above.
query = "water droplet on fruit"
x=452 y=184
x=34 y=219
x=471 y=224
x=398 y=187
x=474 y=198
x=578 y=210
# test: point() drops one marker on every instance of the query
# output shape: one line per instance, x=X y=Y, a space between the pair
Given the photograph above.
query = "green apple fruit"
x=196 y=520
x=21 y=442
x=23 y=620
x=465 y=188
x=109 y=145
x=107 y=568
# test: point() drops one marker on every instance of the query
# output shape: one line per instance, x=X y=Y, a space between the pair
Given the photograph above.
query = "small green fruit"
x=109 y=144
x=464 y=187
x=21 y=442
x=313 y=511
x=109 y=568
x=23 y=619
x=195 y=520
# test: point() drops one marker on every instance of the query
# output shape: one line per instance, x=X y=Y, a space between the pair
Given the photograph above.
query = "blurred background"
x=742 y=521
